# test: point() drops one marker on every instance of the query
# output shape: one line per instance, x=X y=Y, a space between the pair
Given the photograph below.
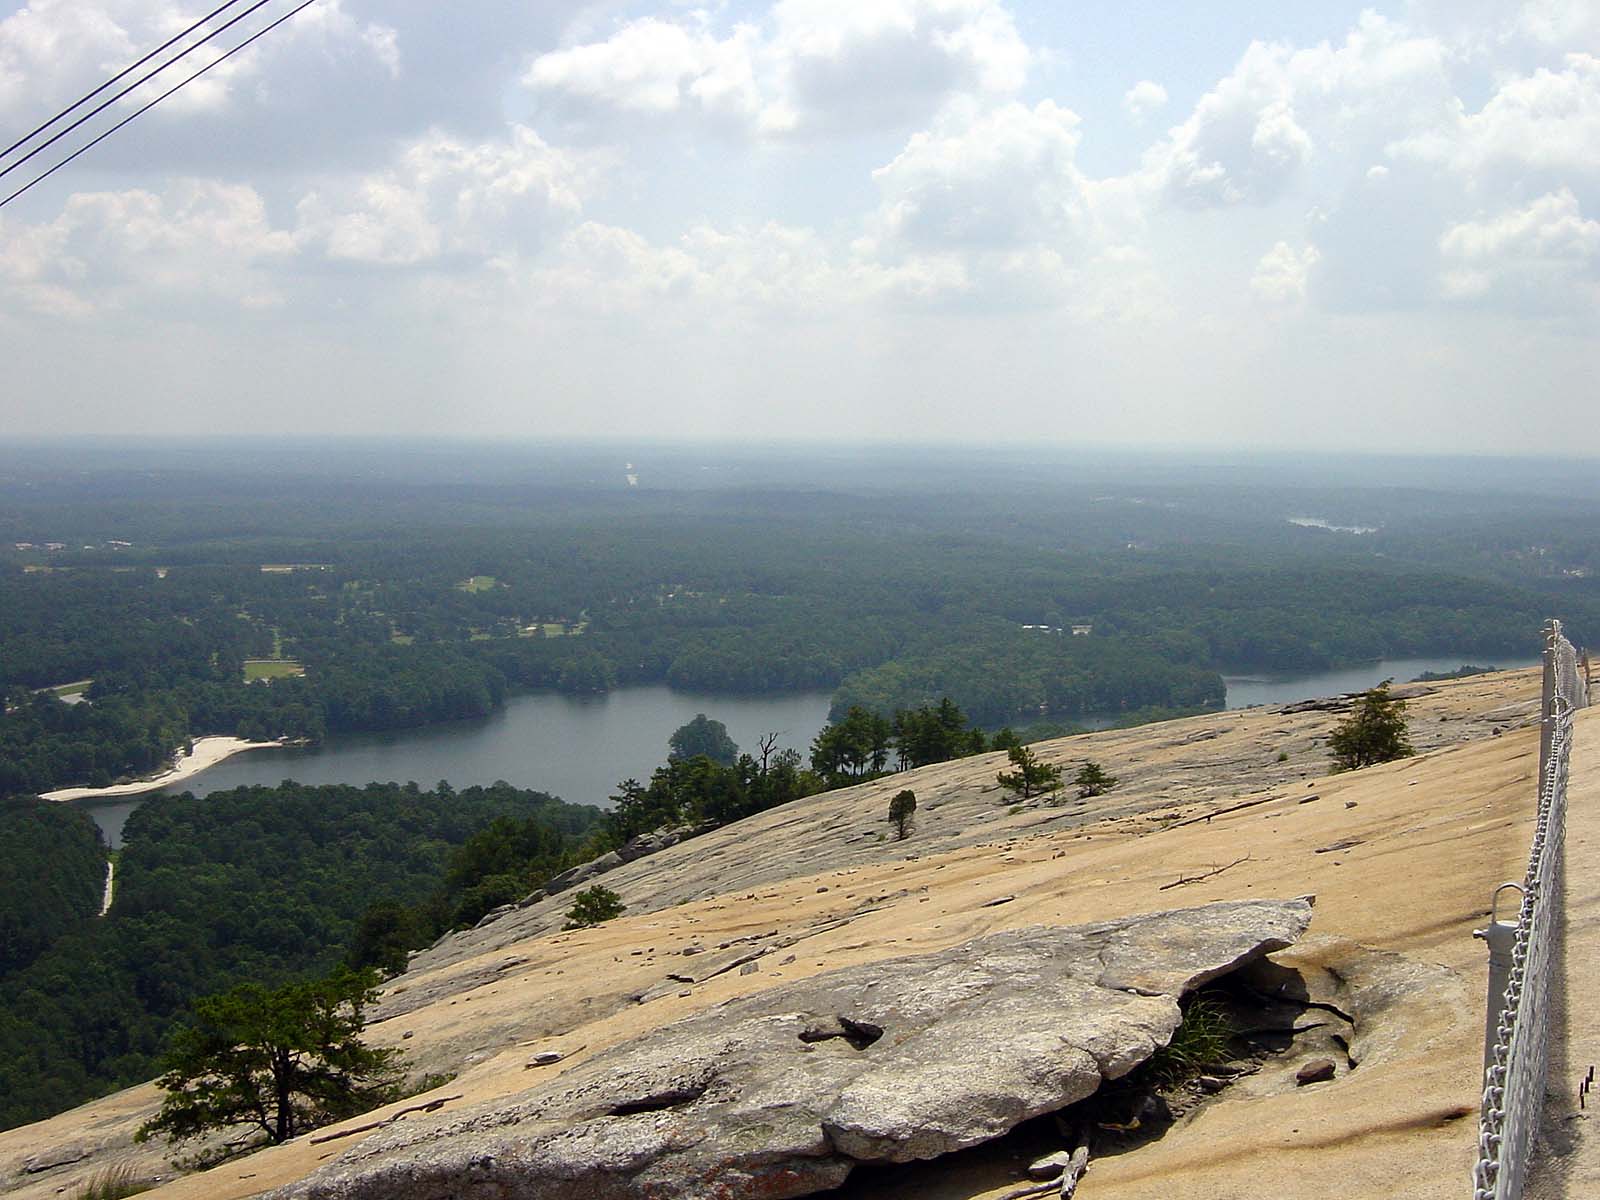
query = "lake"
x=579 y=748
x=1263 y=688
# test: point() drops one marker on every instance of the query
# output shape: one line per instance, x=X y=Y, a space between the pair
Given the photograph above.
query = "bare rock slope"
x=784 y=1092
x=1225 y=807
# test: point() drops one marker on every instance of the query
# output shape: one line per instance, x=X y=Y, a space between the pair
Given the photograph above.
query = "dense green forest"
x=411 y=600
x=52 y=876
x=259 y=884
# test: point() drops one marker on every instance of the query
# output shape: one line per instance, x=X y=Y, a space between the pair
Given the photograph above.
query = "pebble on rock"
x=1318 y=1070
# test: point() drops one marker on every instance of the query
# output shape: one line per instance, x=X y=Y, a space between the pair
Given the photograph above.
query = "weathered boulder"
x=782 y=1093
x=583 y=872
x=642 y=846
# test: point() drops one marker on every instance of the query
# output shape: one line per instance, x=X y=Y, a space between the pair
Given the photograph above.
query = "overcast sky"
x=1307 y=225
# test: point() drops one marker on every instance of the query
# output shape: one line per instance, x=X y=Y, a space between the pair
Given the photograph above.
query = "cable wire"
x=138 y=112
x=120 y=75
x=100 y=108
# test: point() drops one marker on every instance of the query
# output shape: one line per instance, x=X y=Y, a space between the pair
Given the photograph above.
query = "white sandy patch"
x=208 y=752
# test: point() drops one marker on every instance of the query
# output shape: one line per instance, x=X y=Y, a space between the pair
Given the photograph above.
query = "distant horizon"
x=711 y=442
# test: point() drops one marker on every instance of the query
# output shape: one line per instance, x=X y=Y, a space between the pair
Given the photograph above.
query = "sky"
x=1261 y=225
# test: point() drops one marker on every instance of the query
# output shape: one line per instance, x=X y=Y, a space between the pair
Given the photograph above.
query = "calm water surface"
x=1245 y=690
x=578 y=748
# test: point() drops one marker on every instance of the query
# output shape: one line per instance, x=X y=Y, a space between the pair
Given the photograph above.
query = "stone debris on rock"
x=63 y=1157
x=636 y=848
x=1318 y=1070
x=1050 y=1166
x=782 y=1093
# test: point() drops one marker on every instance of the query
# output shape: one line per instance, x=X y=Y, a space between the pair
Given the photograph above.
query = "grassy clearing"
x=72 y=689
x=479 y=583
x=266 y=668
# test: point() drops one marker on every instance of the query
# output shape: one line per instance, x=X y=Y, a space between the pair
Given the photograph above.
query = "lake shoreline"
x=206 y=753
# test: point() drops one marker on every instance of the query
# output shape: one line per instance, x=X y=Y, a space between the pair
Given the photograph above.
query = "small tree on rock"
x=1031 y=777
x=592 y=906
x=1092 y=780
x=277 y=1061
x=900 y=810
x=1374 y=732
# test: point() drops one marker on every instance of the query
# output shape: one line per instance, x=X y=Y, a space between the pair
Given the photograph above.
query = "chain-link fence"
x=1517 y=1046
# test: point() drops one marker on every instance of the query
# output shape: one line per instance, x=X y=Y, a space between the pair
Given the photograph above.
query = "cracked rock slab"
x=784 y=1092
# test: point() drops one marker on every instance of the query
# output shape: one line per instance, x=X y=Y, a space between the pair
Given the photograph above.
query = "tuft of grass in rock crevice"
x=113 y=1183
x=1200 y=1041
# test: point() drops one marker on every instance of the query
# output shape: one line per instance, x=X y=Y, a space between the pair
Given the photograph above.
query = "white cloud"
x=1144 y=99
x=729 y=275
x=1242 y=143
x=1281 y=275
x=999 y=178
x=654 y=66
x=987 y=202
x=812 y=66
x=1545 y=121
x=1251 y=138
x=126 y=250
x=446 y=198
x=52 y=51
x=1540 y=252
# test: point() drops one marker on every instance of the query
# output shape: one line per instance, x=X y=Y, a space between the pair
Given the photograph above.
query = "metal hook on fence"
x=1502 y=939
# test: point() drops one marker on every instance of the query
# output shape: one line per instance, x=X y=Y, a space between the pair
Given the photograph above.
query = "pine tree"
x=900 y=810
x=1092 y=780
x=1031 y=776
x=592 y=906
x=1374 y=732
x=281 y=1061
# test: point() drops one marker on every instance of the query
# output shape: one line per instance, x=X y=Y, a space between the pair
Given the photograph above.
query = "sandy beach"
x=208 y=752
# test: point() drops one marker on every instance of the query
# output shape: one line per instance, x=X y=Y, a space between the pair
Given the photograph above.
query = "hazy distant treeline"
x=407 y=607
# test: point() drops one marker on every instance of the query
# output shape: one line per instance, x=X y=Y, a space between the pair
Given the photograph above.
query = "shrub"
x=1374 y=732
x=900 y=810
x=1092 y=780
x=1031 y=776
x=592 y=906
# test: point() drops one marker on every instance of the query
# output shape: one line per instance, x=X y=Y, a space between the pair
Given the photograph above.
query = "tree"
x=592 y=906
x=1374 y=732
x=1005 y=739
x=900 y=810
x=854 y=748
x=704 y=736
x=1092 y=780
x=1031 y=776
x=280 y=1061
x=383 y=937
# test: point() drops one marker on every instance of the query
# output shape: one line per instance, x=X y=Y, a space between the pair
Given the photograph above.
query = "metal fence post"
x=1502 y=939
x=1547 y=706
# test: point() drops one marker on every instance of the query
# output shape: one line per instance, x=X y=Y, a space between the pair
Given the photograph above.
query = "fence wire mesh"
x=1518 y=1052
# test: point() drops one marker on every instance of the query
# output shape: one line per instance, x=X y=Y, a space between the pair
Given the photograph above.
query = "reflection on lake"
x=578 y=748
